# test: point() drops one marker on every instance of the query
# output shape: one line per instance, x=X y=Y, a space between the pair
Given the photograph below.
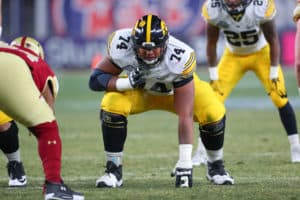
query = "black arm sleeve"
x=99 y=80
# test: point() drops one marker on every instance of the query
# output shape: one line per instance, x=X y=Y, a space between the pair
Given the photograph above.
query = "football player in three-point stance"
x=28 y=87
x=9 y=143
x=160 y=77
x=251 y=45
x=296 y=17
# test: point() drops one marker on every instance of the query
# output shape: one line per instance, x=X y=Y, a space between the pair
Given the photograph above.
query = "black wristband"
x=99 y=80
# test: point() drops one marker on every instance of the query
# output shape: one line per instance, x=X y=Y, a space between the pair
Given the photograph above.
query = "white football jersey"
x=244 y=36
x=178 y=63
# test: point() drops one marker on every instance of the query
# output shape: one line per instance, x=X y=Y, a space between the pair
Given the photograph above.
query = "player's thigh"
x=207 y=107
x=20 y=98
x=117 y=102
x=134 y=102
x=230 y=70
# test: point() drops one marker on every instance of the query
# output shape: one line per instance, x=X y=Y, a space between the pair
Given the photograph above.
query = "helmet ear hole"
x=150 y=32
x=30 y=45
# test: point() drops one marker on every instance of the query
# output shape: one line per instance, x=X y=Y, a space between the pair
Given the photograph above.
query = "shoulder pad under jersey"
x=264 y=10
x=180 y=58
x=120 y=46
x=211 y=10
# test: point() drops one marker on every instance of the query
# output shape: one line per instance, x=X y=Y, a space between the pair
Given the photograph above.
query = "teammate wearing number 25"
x=160 y=77
x=251 y=45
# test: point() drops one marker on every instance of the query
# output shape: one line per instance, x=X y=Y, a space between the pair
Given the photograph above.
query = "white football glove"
x=137 y=78
x=214 y=80
x=183 y=172
x=276 y=85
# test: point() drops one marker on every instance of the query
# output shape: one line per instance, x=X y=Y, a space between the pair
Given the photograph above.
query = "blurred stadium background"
x=73 y=31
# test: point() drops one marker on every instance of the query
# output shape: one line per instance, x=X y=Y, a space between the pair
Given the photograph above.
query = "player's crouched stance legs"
x=114 y=128
x=212 y=136
x=160 y=72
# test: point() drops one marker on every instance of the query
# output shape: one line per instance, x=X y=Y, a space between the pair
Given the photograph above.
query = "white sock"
x=214 y=155
x=13 y=156
x=185 y=156
x=293 y=139
x=115 y=157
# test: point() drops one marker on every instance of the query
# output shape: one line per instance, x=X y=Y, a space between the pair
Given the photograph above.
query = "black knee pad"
x=212 y=135
x=114 y=131
x=214 y=129
x=9 y=140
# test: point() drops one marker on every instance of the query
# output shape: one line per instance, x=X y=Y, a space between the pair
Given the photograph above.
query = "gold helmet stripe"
x=148 y=28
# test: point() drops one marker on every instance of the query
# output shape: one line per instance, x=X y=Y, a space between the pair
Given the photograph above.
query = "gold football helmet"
x=30 y=45
x=150 y=32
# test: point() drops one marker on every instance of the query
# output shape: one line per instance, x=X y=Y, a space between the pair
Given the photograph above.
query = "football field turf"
x=256 y=150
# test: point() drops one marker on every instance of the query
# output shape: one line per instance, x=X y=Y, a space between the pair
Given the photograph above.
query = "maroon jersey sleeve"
x=41 y=73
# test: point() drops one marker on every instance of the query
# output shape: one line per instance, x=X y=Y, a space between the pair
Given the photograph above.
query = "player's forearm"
x=274 y=50
x=212 y=63
x=274 y=53
x=270 y=32
x=185 y=129
x=212 y=36
x=211 y=54
x=184 y=104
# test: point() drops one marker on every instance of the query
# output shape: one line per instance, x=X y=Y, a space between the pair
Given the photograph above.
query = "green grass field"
x=256 y=150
